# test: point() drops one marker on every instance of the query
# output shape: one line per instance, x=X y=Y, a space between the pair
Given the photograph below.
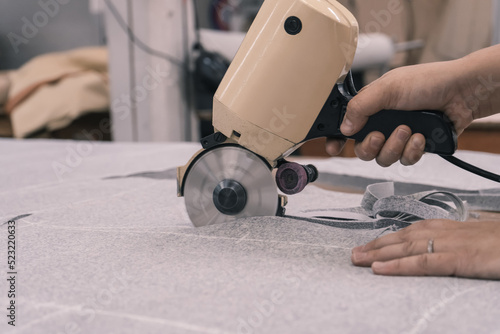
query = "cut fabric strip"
x=380 y=208
x=380 y=201
x=481 y=200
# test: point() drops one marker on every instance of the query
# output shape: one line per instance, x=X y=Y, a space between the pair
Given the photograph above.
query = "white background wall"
x=147 y=107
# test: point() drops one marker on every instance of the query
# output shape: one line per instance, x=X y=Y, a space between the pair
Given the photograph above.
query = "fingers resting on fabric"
x=459 y=249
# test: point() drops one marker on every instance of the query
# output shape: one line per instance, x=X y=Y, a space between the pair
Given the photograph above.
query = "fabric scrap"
x=380 y=208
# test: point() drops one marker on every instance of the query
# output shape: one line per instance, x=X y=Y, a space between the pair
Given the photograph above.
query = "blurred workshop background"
x=146 y=70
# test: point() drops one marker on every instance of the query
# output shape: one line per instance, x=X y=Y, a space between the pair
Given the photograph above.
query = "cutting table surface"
x=103 y=245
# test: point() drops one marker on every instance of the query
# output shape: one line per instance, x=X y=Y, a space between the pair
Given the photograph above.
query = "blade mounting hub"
x=230 y=197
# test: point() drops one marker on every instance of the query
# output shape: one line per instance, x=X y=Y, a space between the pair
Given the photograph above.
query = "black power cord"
x=471 y=168
x=137 y=41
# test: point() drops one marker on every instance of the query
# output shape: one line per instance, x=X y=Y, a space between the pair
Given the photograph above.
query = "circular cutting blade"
x=250 y=188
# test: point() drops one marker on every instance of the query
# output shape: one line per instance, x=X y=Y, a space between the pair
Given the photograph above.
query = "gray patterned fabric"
x=380 y=207
x=105 y=246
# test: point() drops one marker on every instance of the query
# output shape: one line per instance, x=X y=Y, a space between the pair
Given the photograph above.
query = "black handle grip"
x=437 y=129
x=434 y=125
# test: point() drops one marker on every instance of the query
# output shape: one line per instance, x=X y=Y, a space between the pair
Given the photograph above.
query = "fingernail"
x=418 y=142
x=377 y=266
x=376 y=142
x=347 y=127
x=331 y=149
x=358 y=249
x=403 y=135
x=358 y=256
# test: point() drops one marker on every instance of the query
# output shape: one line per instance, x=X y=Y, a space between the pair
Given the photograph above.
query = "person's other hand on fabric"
x=464 y=89
x=457 y=249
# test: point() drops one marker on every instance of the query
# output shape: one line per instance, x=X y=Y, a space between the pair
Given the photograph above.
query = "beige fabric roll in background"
x=53 y=90
x=4 y=87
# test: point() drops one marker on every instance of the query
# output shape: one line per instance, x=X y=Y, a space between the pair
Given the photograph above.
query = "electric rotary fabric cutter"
x=288 y=83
